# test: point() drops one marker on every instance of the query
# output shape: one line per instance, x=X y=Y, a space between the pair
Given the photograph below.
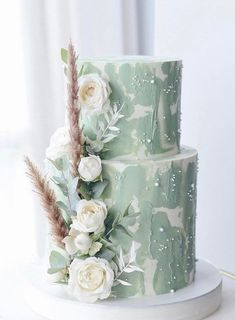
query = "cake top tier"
x=132 y=105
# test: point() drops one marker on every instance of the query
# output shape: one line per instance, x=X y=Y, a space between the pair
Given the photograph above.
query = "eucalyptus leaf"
x=109 y=138
x=62 y=282
x=124 y=283
x=135 y=268
x=72 y=186
x=126 y=212
x=95 y=247
x=115 y=108
x=114 y=129
x=106 y=117
x=81 y=71
x=124 y=230
x=98 y=188
x=57 y=260
x=61 y=164
x=106 y=254
x=58 y=180
x=63 y=188
x=85 y=190
x=101 y=125
x=64 y=55
x=89 y=150
x=108 y=244
x=116 y=221
x=53 y=270
x=62 y=206
x=128 y=270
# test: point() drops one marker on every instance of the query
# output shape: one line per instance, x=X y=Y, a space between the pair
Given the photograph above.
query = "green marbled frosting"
x=164 y=192
x=146 y=167
x=150 y=92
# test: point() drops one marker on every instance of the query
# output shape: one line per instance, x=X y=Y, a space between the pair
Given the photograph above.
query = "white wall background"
x=203 y=34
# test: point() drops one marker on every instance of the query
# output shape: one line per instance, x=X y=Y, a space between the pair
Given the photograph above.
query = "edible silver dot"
x=172 y=290
x=161 y=229
x=156 y=184
x=152 y=81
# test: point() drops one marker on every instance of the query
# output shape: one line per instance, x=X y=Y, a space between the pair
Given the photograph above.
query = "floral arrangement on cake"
x=84 y=258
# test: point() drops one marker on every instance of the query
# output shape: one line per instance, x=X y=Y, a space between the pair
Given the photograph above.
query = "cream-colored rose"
x=90 y=279
x=90 y=216
x=90 y=168
x=93 y=94
x=77 y=241
x=59 y=144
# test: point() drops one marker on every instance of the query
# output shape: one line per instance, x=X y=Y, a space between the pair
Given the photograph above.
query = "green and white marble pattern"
x=146 y=168
x=164 y=192
x=150 y=92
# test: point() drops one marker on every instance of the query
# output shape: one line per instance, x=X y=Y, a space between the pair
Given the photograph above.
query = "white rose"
x=90 y=216
x=90 y=279
x=77 y=241
x=59 y=144
x=93 y=93
x=90 y=168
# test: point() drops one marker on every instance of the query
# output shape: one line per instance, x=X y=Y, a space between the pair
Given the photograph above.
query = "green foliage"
x=85 y=190
x=106 y=253
x=64 y=55
x=95 y=247
x=117 y=223
x=105 y=129
x=66 y=183
x=98 y=188
x=61 y=164
x=57 y=262
x=92 y=190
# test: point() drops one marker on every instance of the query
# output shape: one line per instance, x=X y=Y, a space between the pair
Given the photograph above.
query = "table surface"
x=13 y=307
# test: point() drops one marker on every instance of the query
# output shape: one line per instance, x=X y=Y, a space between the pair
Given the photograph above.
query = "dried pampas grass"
x=48 y=200
x=73 y=110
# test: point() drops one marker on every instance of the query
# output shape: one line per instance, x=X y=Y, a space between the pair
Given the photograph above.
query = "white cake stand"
x=195 y=302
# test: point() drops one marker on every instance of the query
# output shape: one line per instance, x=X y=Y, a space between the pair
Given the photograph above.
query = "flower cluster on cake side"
x=83 y=256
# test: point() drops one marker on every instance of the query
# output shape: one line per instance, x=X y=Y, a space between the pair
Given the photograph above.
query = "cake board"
x=194 y=302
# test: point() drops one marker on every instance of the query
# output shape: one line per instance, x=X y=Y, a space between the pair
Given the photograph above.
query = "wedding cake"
x=119 y=190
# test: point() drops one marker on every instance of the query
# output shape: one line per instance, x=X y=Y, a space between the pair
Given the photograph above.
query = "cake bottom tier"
x=162 y=193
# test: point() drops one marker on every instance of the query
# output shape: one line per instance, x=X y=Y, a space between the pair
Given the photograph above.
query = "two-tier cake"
x=120 y=192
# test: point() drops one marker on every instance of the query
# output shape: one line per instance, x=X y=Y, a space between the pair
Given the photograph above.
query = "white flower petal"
x=93 y=273
x=93 y=93
x=90 y=168
x=70 y=246
x=59 y=144
x=90 y=216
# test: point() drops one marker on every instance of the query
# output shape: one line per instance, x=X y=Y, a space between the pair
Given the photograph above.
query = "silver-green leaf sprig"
x=126 y=264
x=59 y=264
x=113 y=223
x=105 y=130
x=67 y=185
